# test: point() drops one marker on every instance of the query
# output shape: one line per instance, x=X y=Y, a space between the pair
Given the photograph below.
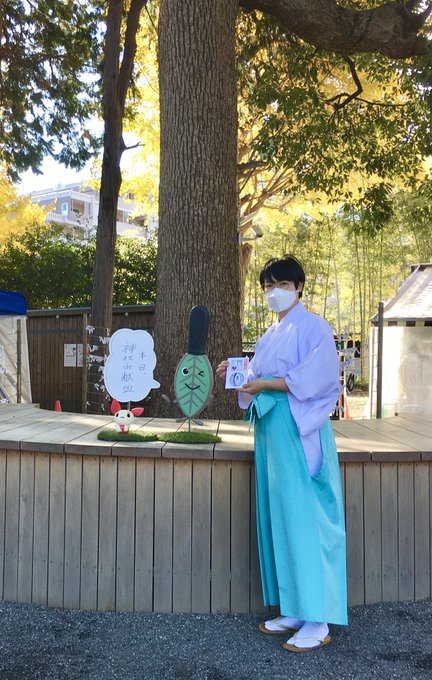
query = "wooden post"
x=379 y=359
x=84 y=366
x=19 y=362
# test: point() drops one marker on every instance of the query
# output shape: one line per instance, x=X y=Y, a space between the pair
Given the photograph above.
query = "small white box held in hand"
x=237 y=372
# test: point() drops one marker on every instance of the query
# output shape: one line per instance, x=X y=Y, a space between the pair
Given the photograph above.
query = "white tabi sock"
x=309 y=635
x=282 y=623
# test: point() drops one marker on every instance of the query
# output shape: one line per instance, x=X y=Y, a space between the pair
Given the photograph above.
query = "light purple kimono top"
x=301 y=349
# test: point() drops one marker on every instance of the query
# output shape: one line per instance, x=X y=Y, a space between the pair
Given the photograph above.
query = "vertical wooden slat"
x=56 y=531
x=406 y=530
x=355 y=528
x=3 y=456
x=72 y=566
x=430 y=521
x=389 y=516
x=422 y=589
x=25 y=541
x=40 y=531
x=201 y=513
x=221 y=537
x=144 y=535
x=240 y=533
x=256 y=597
x=11 y=525
x=163 y=535
x=182 y=536
x=342 y=476
x=107 y=534
x=89 y=532
x=51 y=361
x=125 y=535
x=372 y=532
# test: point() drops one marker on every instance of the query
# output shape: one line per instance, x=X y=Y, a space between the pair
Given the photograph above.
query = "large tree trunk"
x=198 y=251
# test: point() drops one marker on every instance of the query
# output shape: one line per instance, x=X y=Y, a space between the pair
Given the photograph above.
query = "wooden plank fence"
x=154 y=527
x=49 y=330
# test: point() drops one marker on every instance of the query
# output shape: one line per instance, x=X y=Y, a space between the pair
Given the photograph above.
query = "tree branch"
x=392 y=28
x=275 y=184
x=343 y=98
x=126 y=68
x=389 y=105
x=133 y=146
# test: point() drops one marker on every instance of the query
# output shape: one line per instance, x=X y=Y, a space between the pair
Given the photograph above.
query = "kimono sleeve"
x=314 y=382
x=317 y=373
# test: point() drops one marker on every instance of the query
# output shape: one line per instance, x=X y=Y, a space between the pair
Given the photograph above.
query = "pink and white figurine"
x=123 y=418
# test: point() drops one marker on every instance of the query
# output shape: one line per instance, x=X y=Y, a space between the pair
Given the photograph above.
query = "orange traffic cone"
x=347 y=413
x=57 y=405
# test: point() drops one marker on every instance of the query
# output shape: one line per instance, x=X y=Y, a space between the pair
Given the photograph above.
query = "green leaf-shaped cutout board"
x=193 y=383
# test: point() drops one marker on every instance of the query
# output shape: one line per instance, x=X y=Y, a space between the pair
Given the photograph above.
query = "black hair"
x=286 y=268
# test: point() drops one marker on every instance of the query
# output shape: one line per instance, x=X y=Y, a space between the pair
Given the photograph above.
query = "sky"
x=53 y=174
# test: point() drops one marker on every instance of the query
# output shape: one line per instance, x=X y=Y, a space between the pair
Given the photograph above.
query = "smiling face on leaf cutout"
x=193 y=383
x=193 y=380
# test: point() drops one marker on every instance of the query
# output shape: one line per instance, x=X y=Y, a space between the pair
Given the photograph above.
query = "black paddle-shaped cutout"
x=199 y=320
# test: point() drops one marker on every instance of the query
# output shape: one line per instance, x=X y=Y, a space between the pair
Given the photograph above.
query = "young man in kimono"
x=293 y=386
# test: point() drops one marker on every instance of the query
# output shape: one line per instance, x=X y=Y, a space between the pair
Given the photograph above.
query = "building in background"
x=406 y=349
x=76 y=207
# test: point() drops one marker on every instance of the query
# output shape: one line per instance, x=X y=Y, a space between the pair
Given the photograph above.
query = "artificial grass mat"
x=189 y=437
x=111 y=435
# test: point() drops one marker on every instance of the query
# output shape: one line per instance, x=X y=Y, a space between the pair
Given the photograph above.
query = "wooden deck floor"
x=28 y=428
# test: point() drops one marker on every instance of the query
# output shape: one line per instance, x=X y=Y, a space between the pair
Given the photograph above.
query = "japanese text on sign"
x=128 y=372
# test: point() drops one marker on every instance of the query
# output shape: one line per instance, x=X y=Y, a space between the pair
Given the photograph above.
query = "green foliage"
x=373 y=210
x=412 y=216
x=349 y=266
x=50 y=269
x=50 y=55
x=54 y=270
x=134 y=272
x=298 y=100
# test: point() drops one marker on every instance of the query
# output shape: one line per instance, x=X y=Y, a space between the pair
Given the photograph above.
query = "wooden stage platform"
x=164 y=527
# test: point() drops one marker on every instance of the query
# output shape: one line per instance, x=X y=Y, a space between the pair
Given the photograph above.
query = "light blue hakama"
x=300 y=518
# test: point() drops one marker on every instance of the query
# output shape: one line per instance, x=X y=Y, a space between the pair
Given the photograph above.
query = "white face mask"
x=278 y=299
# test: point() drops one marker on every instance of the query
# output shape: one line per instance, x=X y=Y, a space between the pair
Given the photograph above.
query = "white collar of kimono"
x=294 y=313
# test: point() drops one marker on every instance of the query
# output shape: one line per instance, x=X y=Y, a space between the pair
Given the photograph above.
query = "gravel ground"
x=382 y=641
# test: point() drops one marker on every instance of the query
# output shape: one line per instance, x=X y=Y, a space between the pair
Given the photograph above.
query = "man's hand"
x=261 y=384
x=255 y=386
x=222 y=370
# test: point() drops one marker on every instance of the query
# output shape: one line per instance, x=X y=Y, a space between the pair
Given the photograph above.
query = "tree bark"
x=198 y=251
x=116 y=80
x=391 y=29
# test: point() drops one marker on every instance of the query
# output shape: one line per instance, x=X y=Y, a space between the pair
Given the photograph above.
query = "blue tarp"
x=12 y=303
